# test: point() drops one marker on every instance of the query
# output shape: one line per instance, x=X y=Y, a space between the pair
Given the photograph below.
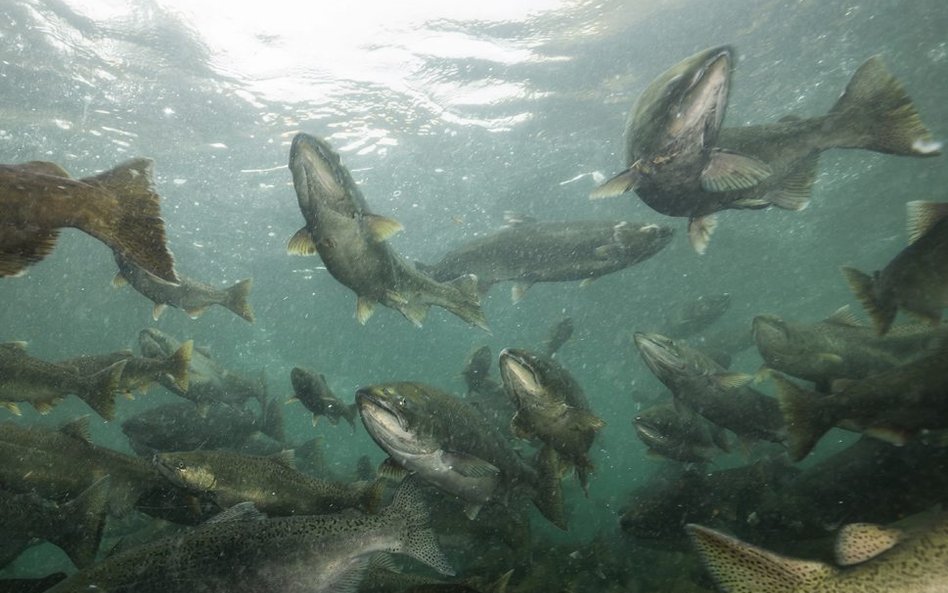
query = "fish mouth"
x=320 y=165
x=387 y=425
x=517 y=372
x=648 y=432
x=659 y=354
x=704 y=100
x=769 y=332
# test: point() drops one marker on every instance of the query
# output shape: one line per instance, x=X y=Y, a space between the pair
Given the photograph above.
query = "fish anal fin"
x=119 y=280
x=730 y=171
x=519 y=290
x=859 y=542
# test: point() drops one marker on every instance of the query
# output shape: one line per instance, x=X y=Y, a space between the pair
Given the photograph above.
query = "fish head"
x=655 y=426
x=185 y=471
x=666 y=358
x=524 y=377
x=642 y=241
x=477 y=367
x=395 y=415
x=685 y=104
x=771 y=333
x=319 y=176
x=156 y=344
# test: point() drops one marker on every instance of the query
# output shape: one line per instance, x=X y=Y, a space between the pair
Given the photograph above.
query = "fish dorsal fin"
x=843 y=316
x=286 y=458
x=859 y=542
x=512 y=219
x=242 y=511
x=730 y=171
x=795 y=190
x=78 y=429
x=301 y=243
x=737 y=566
x=921 y=216
x=382 y=228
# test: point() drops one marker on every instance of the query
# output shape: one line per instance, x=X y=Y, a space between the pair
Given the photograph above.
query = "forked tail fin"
x=99 y=389
x=237 y=299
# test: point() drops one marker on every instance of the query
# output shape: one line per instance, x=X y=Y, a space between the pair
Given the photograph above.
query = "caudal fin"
x=737 y=566
x=99 y=389
x=416 y=538
x=83 y=519
x=467 y=302
x=863 y=286
x=134 y=228
x=237 y=299
x=807 y=420
x=875 y=113
x=179 y=365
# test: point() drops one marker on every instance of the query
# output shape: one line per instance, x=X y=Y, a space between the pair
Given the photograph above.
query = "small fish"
x=190 y=295
x=118 y=207
x=314 y=392
x=873 y=558
x=696 y=315
x=680 y=437
x=559 y=335
x=916 y=280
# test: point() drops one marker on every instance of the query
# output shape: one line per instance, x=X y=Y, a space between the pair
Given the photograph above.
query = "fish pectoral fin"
x=843 y=316
x=242 y=511
x=196 y=312
x=119 y=280
x=921 y=216
x=470 y=466
x=12 y=407
x=609 y=251
x=512 y=219
x=795 y=190
x=301 y=243
x=858 y=542
x=700 y=231
x=625 y=181
x=158 y=310
x=732 y=171
x=365 y=307
x=732 y=380
x=382 y=228
x=472 y=509
x=519 y=290
x=15 y=260
x=392 y=471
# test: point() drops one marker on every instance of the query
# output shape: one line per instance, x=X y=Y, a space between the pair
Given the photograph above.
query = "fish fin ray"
x=301 y=243
x=382 y=228
x=625 y=181
x=730 y=171
x=795 y=190
x=921 y=216
x=858 y=542
x=805 y=419
x=863 y=287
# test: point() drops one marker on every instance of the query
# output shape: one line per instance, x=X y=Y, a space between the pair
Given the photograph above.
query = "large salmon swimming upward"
x=681 y=163
x=118 y=207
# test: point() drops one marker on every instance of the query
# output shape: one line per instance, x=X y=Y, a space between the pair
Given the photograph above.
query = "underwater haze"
x=449 y=115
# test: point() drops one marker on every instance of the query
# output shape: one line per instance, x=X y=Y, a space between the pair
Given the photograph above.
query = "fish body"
x=190 y=295
x=209 y=381
x=676 y=436
x=43 y=384
x=271 y=483
x=312 y=390
x=139 y=373
x=450 y=445
x=916 y=280
x=838 y=347
x=682 y=163
x=697 y=315
x=118 y=207
x=555 y=251
x=895 y=405
x=874 y=560
x=550 y=406
x=704 y=386
x=351 y=241
x=300 y=554
x=560 y=333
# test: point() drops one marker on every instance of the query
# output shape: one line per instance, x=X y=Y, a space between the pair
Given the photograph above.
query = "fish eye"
x=179 y=465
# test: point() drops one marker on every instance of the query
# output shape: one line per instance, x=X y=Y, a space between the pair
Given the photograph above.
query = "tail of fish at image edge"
x=416 y=538
x=136 y=230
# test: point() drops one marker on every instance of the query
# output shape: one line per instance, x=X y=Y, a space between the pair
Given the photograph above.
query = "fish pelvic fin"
x=875 y=113
x=14 y=261
x=547 y=495
x=625 y=181
x=807 y=420
x=237 y=299
x=179 y=365
x=83 y=521
x=134 y=228
x=881 y=311
x=795 y=190
x=921 y=216
x=99 y=392
x=416 y=538
x=730 y=171
x=737 y=566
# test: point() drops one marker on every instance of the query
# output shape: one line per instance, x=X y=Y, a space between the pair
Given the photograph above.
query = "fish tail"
x=135 y=228
x=731 y=561
x=548 y=491
x=83 y=522
x=273 y=420
x=237 y=299
x=875 y=113
x=100 y=388
x=807 y=420
x=349 y=413
x=416 y=538
x=179 y=365
x=882 y=311
x=467 y=302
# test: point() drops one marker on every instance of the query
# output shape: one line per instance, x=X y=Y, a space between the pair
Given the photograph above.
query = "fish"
x=31 y=585
x=448 y=444
x=560 y=333
x=299 y=554
x=209 y=381
x=24 y=378
x=683 y=163
x=139 y=373
x=838 y=347
x=679 y=437
x=697 y=315
x=476 y=372
x=351 y=241
x=704 y=386
x=872 y=558
x=312 y=390
x=484 y=393
x=119 y=207
x=916 y=280
x=894 y=405
x=192 y=296
x=175 y=427
x=527 y=251
x=75 y=526
x=271 y=483
x=552 y=407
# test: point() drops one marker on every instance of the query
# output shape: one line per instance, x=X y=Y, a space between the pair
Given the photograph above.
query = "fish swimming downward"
x=351 y=241
x=683 y=163
x=118 y=207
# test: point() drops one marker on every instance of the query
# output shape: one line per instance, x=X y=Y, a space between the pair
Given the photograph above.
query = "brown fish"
x=118 y=207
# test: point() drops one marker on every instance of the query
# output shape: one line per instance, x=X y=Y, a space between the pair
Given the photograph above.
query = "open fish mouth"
x=386 y=424
x=659 y=354
x=319 y=164
x=517 y=371
x=705 y=98
x=648 y=432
